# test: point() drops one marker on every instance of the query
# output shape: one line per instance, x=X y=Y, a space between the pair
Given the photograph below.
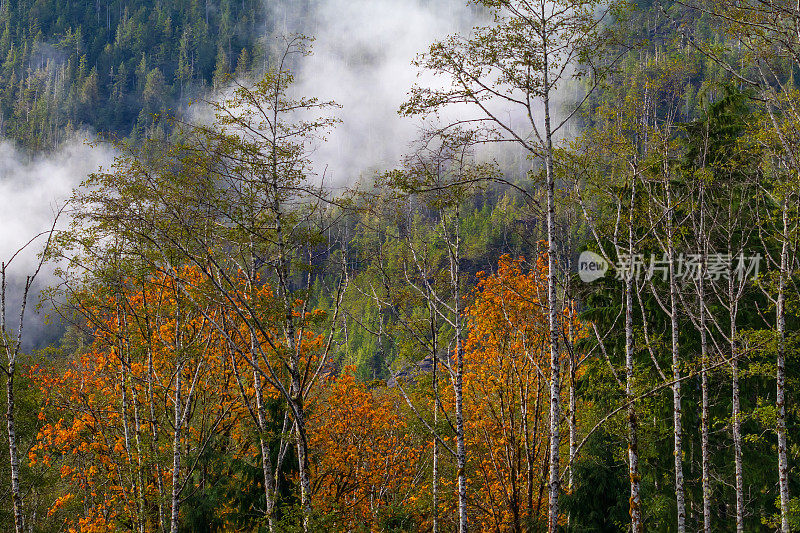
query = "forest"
x=572 y=305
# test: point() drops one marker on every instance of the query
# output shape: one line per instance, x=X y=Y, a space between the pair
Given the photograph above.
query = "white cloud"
x=362 y=57
x=33 y=187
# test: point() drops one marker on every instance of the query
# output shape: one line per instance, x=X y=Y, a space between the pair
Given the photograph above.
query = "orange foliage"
x=506 y=377
x=109 y=414
x=365 y=458
x=110 y=410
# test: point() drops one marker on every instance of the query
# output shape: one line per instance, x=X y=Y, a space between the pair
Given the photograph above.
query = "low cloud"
x=32 y=189
x=362 y=57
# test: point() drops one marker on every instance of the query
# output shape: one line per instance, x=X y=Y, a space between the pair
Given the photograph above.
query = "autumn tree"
x=366 y=460
x=517 y=63
x=236 y=199
x=506 y=393
x=128 y=420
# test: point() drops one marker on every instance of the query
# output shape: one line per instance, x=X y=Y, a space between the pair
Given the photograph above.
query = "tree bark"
x=266 y=461
x=155 y=433
x=704 y=415
x=16 y=491
x=676 y=369
x=302 y=460
x=780 y=374
x=635 y=503
x=572 y=415
x=555 y=363
x=176 y=454
x=461 y=448
x=435 y=384
x=11 y=346
x=736 y=412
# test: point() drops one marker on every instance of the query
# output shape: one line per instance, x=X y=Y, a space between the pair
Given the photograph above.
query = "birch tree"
x=700 y=226
x=442 y=174
x=763 y=54
x=709 y=159
x=613 y=187
x=517 y=63
x=12 y=338
x=778 y=228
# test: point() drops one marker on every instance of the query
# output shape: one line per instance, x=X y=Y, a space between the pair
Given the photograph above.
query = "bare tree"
x=12 y=344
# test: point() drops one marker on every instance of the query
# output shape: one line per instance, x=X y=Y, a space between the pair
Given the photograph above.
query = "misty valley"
x=399 y=266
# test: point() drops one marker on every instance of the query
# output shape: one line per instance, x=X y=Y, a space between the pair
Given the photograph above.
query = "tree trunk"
x=16 y=491
x=155 y=433
x=266 y=461
x=780 y=375
x=283 y=272
x=555 y=363
x=461 y=451
x=11 y=348
x=704 y=415
x=435 y=383
x=127 y=384
x=461 y=448
x=573 y=419
x=635 y=503
x=302 y=461
x=573 y=422
x=179 y=419
x=299 y=426
x=736 y=413
x=176 y=454
x=676 y=370
x=137 y=435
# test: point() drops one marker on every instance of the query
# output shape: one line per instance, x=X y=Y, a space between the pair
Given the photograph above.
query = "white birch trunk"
x=676 y=370
x=555 y=363
x=635 y=504
x=11 y=345
x=736 y=412
x=16 y=491
x=573 y=422
x=176 y=454
x=461 y=448
x=302 y=459
x=704 y=414
x=780 y=375
x=573 y=419
x=435 y=467
x=155 y=433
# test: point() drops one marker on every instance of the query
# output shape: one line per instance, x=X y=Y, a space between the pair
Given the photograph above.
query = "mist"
x=362 y=59
x=32 y=189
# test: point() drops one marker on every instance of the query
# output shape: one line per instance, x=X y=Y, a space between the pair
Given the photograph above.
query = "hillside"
x=570 y=305
x=109 y=66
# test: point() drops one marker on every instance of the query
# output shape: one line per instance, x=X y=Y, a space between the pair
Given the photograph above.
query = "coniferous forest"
x=571 y=305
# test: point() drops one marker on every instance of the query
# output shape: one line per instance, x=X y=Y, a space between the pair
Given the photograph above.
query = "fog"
x=362 y=59
x=32 y=189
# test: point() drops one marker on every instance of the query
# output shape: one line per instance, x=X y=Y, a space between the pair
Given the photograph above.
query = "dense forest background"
x=243 y=348
x=111 y=66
